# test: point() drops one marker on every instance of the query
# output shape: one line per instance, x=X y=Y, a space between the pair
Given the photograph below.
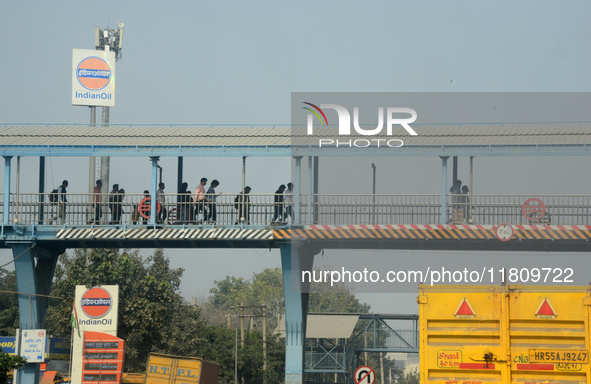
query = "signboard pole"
x=92 y=160
x=105 y=160
x=17 y=352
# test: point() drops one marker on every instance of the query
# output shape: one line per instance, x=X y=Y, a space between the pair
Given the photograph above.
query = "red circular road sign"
x=96 y=302
x=364 y=375
x=146 y=206
x=504 y=232
x=533 y=209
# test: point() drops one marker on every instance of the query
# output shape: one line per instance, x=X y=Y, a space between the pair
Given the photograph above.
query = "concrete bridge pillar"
x=34 y=267
x=295 y=259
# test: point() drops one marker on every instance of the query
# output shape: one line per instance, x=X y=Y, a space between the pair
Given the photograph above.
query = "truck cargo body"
x=168 y=369
x=504 y=334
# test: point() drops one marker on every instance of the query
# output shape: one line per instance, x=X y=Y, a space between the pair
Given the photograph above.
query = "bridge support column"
x=41 y=188
x=309 y=216
x=33 y=280
x=315 y=191
x=6 y=214
x=154 y=199
x=179 y=175
x=443 y=219
x=454 y=169
x=296 y=217
x=294 y=260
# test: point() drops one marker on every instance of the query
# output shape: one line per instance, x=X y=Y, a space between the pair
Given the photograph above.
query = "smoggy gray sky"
x=238 y=62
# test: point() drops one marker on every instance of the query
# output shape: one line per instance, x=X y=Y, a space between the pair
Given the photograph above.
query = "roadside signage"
x=145 y=207
x=97 y=311
x=33 y=345
x=93 y=78
x=96 y=302
x=504 y=232
x=7 y=344
x=364 y=375
x=533 y=209
x=103 y=358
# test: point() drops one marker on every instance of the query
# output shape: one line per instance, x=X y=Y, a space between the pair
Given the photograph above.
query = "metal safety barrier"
x=325 y=360
x=322 y=209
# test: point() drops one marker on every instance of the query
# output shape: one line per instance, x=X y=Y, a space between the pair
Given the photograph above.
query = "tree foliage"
x=266 y=288
x=8 y=363
x=153 y=317
x=411 y=377
x=8 y=303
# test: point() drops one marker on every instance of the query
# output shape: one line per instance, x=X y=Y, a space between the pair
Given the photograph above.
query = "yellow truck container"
x=504 y=334
x=168 y=369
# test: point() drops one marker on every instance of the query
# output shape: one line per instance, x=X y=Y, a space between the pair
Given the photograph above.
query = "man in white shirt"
x=201 y=199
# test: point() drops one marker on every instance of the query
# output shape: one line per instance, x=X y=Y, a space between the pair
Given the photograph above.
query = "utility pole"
x=373 y=166
x=241 y=324
x=106 y=40
x=382 y=367
x=251 y=317
x=265 y=344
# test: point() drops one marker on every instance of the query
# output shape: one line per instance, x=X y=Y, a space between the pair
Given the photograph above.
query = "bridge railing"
x=389 y=339
x=426 y=209
x=325 y=360
x=135 y=209
x=260 y=209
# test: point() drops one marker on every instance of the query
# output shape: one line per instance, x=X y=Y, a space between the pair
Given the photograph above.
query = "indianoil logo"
x=96 y=302
x=93 y=73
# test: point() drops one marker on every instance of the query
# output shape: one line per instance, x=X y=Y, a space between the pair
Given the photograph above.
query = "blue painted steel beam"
x=34 y=268
x=179 y=174
x=6 y=189
x=443 y=219
x=310 y=215
x=286 y=150
x=293 y=260
x=153 y=211
x=41 y=188
x=296 y=217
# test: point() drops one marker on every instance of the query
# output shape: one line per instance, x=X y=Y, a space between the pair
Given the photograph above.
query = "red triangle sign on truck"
x=545 y=310
x=465 y=310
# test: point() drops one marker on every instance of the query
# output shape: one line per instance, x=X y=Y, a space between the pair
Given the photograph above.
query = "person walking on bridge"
x=96 y=200
x=62 y=200
x=211 y=196
x=278 y=204
x=288 y=199
x=242 y=204
x=162 y=200
x=201 y=199
x=457 y=215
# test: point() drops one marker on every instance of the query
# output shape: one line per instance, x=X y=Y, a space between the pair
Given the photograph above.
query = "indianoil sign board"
x=96 y=311
x=93 y=78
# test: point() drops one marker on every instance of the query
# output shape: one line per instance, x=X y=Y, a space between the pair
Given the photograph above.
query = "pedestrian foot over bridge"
x=40 y=224
x=408 y=219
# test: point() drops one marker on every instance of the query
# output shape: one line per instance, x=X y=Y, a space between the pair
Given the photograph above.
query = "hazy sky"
x=238 y=62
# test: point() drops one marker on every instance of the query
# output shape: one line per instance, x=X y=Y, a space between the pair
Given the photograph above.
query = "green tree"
x=8 y=303
x=412 y=377
x=219 y=344
x=9 y=363
x=266 y=288
x=153 y=317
